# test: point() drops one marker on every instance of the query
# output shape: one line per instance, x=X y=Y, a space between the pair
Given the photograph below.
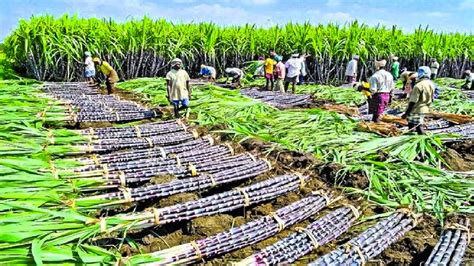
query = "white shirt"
x=294 y=67
x=381 y=82
x=235 y=71
x=89 y=64
x=351 y=69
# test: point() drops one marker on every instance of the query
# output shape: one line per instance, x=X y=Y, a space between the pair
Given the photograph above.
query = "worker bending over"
x=177 y=87
x=235 y=73
x=209 y=73
x=111 y=76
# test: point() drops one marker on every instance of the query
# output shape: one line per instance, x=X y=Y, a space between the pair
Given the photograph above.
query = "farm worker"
x=469 y=84
x=280 y=73
x=259 y=70
x=408 y=78
x=381 y=85
x=293 y=70
x=351 y=70
x=364 y=87
x=434 y=67
x=208 y=73
x=177 y=87
x=303 y=69
x=109 y=72
x=395 y=69
x=235 y=73
x=89 y=70
x=269 y=66
x=420 y=100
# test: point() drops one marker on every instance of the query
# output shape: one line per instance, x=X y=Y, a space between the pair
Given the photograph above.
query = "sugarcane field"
x=256 y=132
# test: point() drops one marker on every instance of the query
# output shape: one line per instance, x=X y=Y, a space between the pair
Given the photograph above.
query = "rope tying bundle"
x=127 y=194
x=150 y=142
x=123 y=181
x=193 y=169
x=156 y=215
x=213 y=181
x=280 y=222
x=197 y=250
x=95 y=159
x=408 y=212
x=354 y=210
x=310 y=235
x=138 y=132
x=456 y=226
x=358 y=250
x=246 y=196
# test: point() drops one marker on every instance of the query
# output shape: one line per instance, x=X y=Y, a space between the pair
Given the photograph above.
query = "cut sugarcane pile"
x=278 y=99
x=381 y=128
x=453 y=118
x=371 y=242
x=469 y=94
x=342 y=109
x=88 y=105
x=452 y=244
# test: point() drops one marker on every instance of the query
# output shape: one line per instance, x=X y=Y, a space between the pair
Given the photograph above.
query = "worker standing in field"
x=178 y=88
x=381 y=85
x=351 y=70
x=469 y=80
x=303 y=69
x=209 y=73
x=293 y=70
x=111 y=76
x=89 y=68
x=420 y=100
x=434 y=67
x=269 y=65
x=408 y=78
x=235 y=73
x=280 y=73
x=395 y=69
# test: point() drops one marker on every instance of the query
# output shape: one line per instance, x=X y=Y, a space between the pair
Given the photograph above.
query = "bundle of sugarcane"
x=465 y=130
x=197 y=183
x=436 y=124
x=381 y=128
x=297 y=245
x=452 y=245
x=154 y=152
x=278 y=99
x=239 y=237
x=342 y=109
x=371 y=242
x=453 y=118
x=394 y=119
x=114 y=116
x=138 y=131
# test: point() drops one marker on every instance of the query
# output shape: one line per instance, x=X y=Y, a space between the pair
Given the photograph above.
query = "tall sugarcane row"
x=242 y=236
x=301 y=243
x=278 y=99
x=88 y=105
x=452 y=245
x=371 y=242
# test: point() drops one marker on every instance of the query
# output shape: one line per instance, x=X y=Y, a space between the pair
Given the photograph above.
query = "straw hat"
x=381 y=63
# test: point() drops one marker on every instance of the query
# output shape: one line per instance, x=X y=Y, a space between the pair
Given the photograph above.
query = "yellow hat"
x=96 y=60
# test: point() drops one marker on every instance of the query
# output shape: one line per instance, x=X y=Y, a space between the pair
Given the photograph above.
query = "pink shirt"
x=280 y=70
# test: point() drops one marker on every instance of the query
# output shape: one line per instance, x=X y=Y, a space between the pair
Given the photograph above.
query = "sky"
x=440 y=15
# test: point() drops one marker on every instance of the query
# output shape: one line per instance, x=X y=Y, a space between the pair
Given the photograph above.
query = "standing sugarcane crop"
x=381 y=85
x=238 y=237
x=296 y=245
x=452 y=245
x=420 y=100
x=178 y=88
x=371 y=242
x=111 y=76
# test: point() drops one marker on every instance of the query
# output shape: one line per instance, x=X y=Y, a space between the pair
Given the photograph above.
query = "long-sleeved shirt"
x=234 y=72
x=280 y=70
x=381 y=82
x=434 y=67
x=351 y=69
x=422 y=95
x=294 y=67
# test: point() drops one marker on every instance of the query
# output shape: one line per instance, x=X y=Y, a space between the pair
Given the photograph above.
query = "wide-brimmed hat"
x=381 y=63
x=176 y=61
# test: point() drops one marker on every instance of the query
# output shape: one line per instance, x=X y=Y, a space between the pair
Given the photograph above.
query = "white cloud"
x=333 y=3
x=467 y=4
x=437 y=14
x=337 y=17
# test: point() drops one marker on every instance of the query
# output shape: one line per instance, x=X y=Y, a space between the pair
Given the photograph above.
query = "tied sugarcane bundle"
x=239 y=237
x=436 y=124
x=465 y=130
x=394 y=119
x=297 y=245
x=371 y=242
x=278 y=99
x=453 y=118
x=138 y=131
x=151 y=192
x=452 y=245
x=381 y=128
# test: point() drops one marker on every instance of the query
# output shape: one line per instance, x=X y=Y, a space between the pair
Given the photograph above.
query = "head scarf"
x=175 y=62
x=278 y=58
x=356 y=57
x=424 y=72
x=87 y=54
x=395 y=58
x=96 y=60
x=295 y=55
x=380 y=64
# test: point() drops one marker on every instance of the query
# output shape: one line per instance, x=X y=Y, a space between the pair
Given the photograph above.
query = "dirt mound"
x=460 y=155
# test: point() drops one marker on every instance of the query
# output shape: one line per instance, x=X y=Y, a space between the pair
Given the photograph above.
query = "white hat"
x=395 y=58
x=381 y=63
x=176 y=61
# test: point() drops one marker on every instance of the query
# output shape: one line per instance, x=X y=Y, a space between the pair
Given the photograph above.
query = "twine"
x=156 y=215
x=230 y=148
x=268 y=164
x=310 y=235
x=105 y=169
x=54 y=171
x=150 y=142
x=323 y=195
x=91 y=131
x=301 y=178
x=354 y=210
x=213 y=181
x=195 y=134
x=95 y=159
x=251 y=156
x=123 y=181
x=197 y=250
x=74 y=117
x=51 y=137
x=410 y=214
x=358 y=250
x=193 y=169
x=90 y=148
x=138 y=131
x=246 y=196
x=103 y=224
x=178 y=161
x=280 y=222
x=210 y=139
x=127 y=194
x=155 y=113
x=456 y=226
x=163 y=152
